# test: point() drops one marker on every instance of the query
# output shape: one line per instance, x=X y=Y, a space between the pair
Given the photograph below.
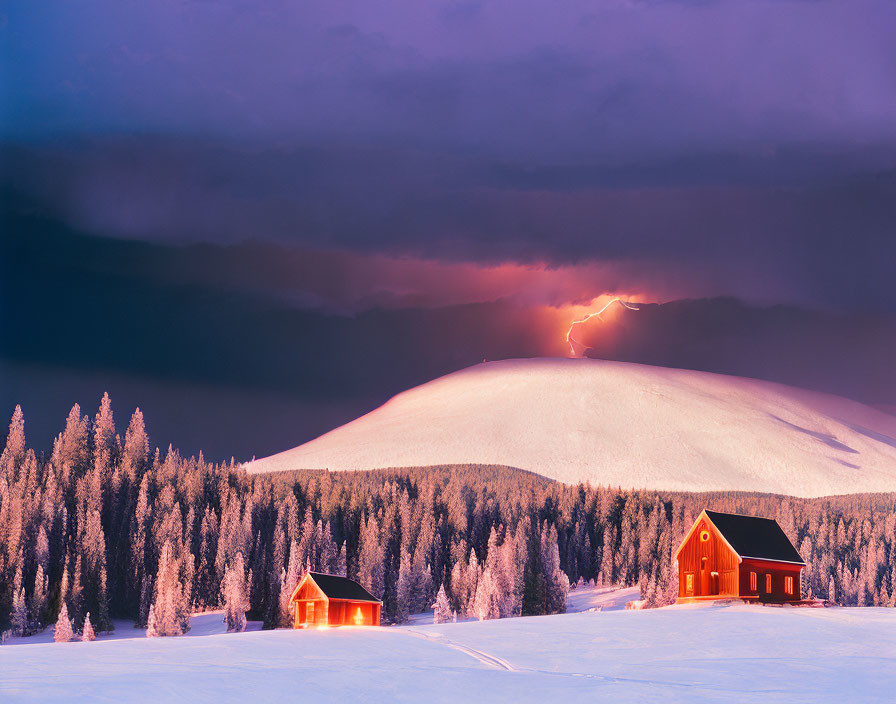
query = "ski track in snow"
x=497 y=663
x=485 y=658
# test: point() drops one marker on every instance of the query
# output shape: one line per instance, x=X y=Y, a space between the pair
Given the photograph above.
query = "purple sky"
x=334 y=162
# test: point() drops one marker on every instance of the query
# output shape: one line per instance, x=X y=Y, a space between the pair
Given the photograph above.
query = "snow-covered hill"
x=677 y=654
x=622 y=424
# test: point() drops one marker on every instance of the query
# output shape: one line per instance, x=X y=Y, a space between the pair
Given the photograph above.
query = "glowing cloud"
x=571 y=341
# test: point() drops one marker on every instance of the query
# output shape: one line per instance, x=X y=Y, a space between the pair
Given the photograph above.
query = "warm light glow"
x=359 y=617
x=571 y=341
x=704 y=535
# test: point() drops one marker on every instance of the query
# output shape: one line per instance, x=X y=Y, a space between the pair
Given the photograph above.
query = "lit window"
x=753 y=581
x=768 y=584
x=689 y=584
x=704 y=536
x=788 y=585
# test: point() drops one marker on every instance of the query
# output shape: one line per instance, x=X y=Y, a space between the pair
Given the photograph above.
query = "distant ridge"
x=615 y=423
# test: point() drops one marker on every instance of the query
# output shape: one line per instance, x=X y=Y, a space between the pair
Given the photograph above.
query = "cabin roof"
x=336 y=587
x=754 y=537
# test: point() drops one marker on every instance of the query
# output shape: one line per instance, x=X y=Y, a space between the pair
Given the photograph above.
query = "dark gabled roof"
x=759 y=538
x=335 y=587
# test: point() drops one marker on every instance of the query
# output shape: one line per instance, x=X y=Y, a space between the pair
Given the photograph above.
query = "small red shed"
x=726 y=555
x=330 y=600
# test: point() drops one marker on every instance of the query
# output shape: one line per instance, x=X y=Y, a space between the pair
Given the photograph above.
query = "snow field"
x=677 y=654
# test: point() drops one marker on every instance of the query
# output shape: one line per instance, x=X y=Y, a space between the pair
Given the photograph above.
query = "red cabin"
x=726 y=555
x=330 y=600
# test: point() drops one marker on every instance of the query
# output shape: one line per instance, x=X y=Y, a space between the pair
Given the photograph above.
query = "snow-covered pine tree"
x=421 y=579
x=94 y=550
x=235 y=592
x=370 y=558
x=70 y=448
x=288 y=583
x=328 y=549
x=441 y=609
x=19 y=613
x=63 y=632
x=485 y=600
x=105 y=441
x=138 y=581
x=471 y=577
x=151 y=630
x=403 y=589
x=171 y=602
x=87 y=633
x=341 y=566
x=39 y=596
x=556 y=581
x=14 y=451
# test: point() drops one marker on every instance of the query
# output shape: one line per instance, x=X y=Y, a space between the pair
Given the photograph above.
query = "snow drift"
x=614 y=423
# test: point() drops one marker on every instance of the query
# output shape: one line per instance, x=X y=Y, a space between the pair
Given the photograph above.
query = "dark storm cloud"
x=794 y=227
x=749 y=147
x=235 y=370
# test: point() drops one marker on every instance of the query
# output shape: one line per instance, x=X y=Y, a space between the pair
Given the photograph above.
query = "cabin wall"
x=311 y=613
x=778 y=571
x=711 y=564
x=353 y=613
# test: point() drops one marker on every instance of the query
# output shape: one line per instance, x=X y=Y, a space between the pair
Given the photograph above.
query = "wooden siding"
x=779 y=571
x=311 y=613
x=354 y=613
x=336 y=612
x=712 y=564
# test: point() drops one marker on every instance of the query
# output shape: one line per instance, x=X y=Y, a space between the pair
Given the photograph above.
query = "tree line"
x=102 y=524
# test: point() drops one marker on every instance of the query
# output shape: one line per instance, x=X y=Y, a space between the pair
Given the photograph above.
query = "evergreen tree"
x=370 y=558
x=63 y=632
x=442 y=612
x=404 y=589
x=171 y=603
x=19 y=613
x=151 y=630
x=235 y=595
x=87 y=633
x=14 y=450
x=39 y=597
x=289 y=582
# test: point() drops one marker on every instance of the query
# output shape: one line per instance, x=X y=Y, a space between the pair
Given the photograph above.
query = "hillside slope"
x=615 y=423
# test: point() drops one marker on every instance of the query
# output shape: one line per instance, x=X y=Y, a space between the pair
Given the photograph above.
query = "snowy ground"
x=584 y=598
x=678 y=654
x=587 y=598
x=618 y=424
x=209 y=623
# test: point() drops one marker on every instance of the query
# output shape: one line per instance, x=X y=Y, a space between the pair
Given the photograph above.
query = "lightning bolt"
x=571 y=341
